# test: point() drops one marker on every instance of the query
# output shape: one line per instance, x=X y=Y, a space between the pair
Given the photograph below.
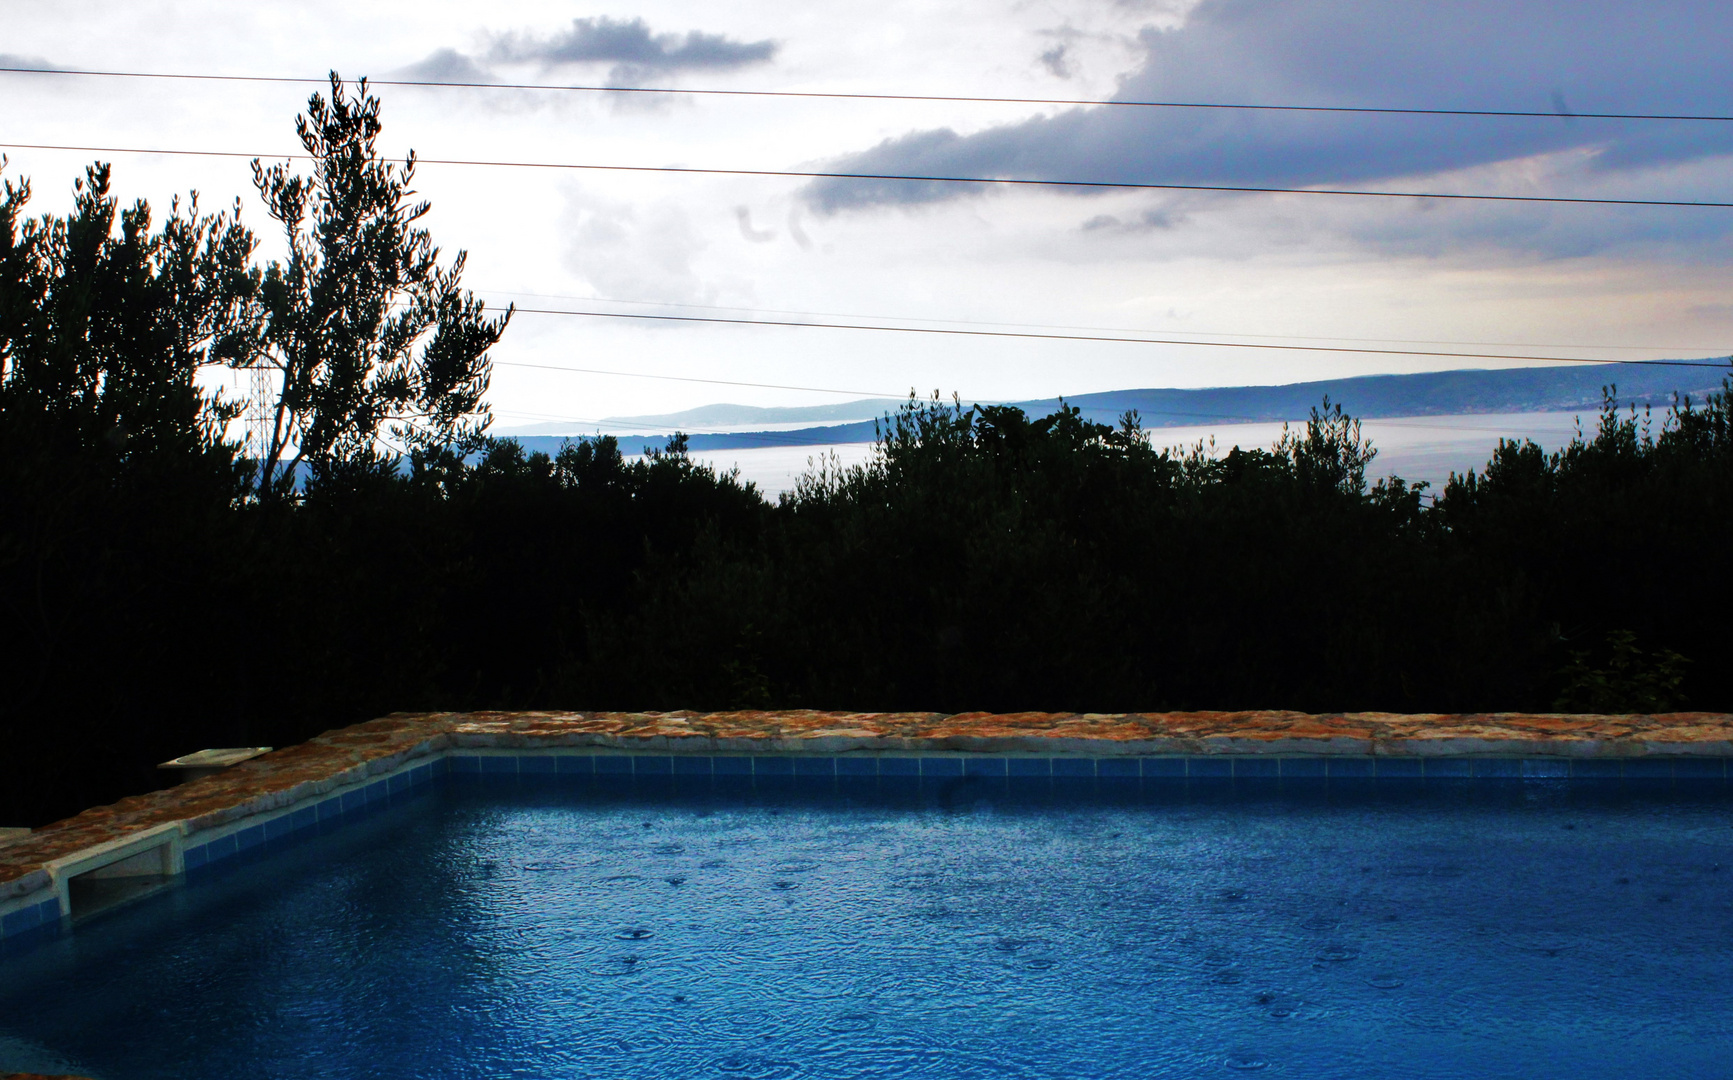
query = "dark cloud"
x=632 y=49
x=14 y=60
x=1551 y=55
x=1146 y=221
x=1057 y=63
x=446 y=65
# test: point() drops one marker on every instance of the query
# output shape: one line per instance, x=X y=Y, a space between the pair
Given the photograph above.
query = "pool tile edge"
x=351 y=769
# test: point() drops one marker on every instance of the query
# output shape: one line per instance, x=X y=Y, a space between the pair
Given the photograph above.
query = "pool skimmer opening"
x=105 y=877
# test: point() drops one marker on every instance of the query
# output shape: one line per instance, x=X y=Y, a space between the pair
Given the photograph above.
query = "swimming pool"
x=491 y=925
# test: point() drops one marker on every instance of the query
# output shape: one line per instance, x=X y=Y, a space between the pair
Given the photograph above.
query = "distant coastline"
x=1433 y=393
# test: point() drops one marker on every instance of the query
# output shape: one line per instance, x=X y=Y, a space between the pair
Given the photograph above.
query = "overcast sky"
x=1609 y=282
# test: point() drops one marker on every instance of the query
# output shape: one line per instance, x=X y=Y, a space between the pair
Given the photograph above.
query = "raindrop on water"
x=754 y=1066
x=619 y=880
x=641 y=1043
x=615 y=967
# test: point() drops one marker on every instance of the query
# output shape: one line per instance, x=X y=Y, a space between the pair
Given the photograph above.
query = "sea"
x=1417 y=448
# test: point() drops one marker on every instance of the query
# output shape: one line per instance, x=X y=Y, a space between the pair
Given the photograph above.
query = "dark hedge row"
x=982 y=560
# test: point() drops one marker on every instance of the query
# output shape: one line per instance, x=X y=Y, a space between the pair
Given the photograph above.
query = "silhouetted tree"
x=378 y=351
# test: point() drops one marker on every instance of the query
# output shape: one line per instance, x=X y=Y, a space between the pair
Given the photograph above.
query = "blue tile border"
x=1699 y=769
x=1648 y=769
x=29 y=918
x=1449 y=768
x=1265 y=767
x=855 y=767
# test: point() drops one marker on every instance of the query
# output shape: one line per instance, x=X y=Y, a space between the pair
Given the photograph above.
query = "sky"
x=1248 y=269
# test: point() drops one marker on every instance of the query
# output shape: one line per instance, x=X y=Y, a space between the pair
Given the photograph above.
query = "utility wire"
x=1701 y=349
x=840 y=96
x=1097 y=185
x=1024 y=334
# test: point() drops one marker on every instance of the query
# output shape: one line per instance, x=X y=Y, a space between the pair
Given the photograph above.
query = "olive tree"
x=106 y=323
x=376 y=352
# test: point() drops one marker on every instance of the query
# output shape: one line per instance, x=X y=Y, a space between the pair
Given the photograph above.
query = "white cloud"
x=632 y=251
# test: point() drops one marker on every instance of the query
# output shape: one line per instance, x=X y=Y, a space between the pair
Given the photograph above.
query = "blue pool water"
x=512 y=928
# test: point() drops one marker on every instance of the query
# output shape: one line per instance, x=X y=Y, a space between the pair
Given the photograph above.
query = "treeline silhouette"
x=981 y=560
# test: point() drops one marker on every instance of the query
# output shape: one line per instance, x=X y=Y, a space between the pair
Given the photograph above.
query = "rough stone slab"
x=353 y=754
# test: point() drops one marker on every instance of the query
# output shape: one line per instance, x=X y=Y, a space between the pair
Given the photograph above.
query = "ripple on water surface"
x=800 y=937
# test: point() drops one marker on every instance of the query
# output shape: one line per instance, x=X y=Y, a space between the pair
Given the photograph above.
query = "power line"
x=802 y=174
x=843 y=96
x=1023 y=334
x=1095 y=329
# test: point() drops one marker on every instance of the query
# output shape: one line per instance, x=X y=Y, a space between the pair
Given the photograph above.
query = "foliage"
x=117 y=486
x=104 y=325
x=1631 y=681
x=378 y=351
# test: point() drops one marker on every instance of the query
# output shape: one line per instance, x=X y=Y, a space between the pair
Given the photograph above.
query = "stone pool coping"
x=345 y=769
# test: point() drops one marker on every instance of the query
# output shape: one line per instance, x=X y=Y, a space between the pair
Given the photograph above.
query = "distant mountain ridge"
x=1433 y=393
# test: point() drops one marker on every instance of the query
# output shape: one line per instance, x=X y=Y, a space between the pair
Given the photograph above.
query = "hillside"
x=1433 y=393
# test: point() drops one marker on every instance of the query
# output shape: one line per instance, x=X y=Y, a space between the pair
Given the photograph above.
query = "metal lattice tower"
x=261 y=405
